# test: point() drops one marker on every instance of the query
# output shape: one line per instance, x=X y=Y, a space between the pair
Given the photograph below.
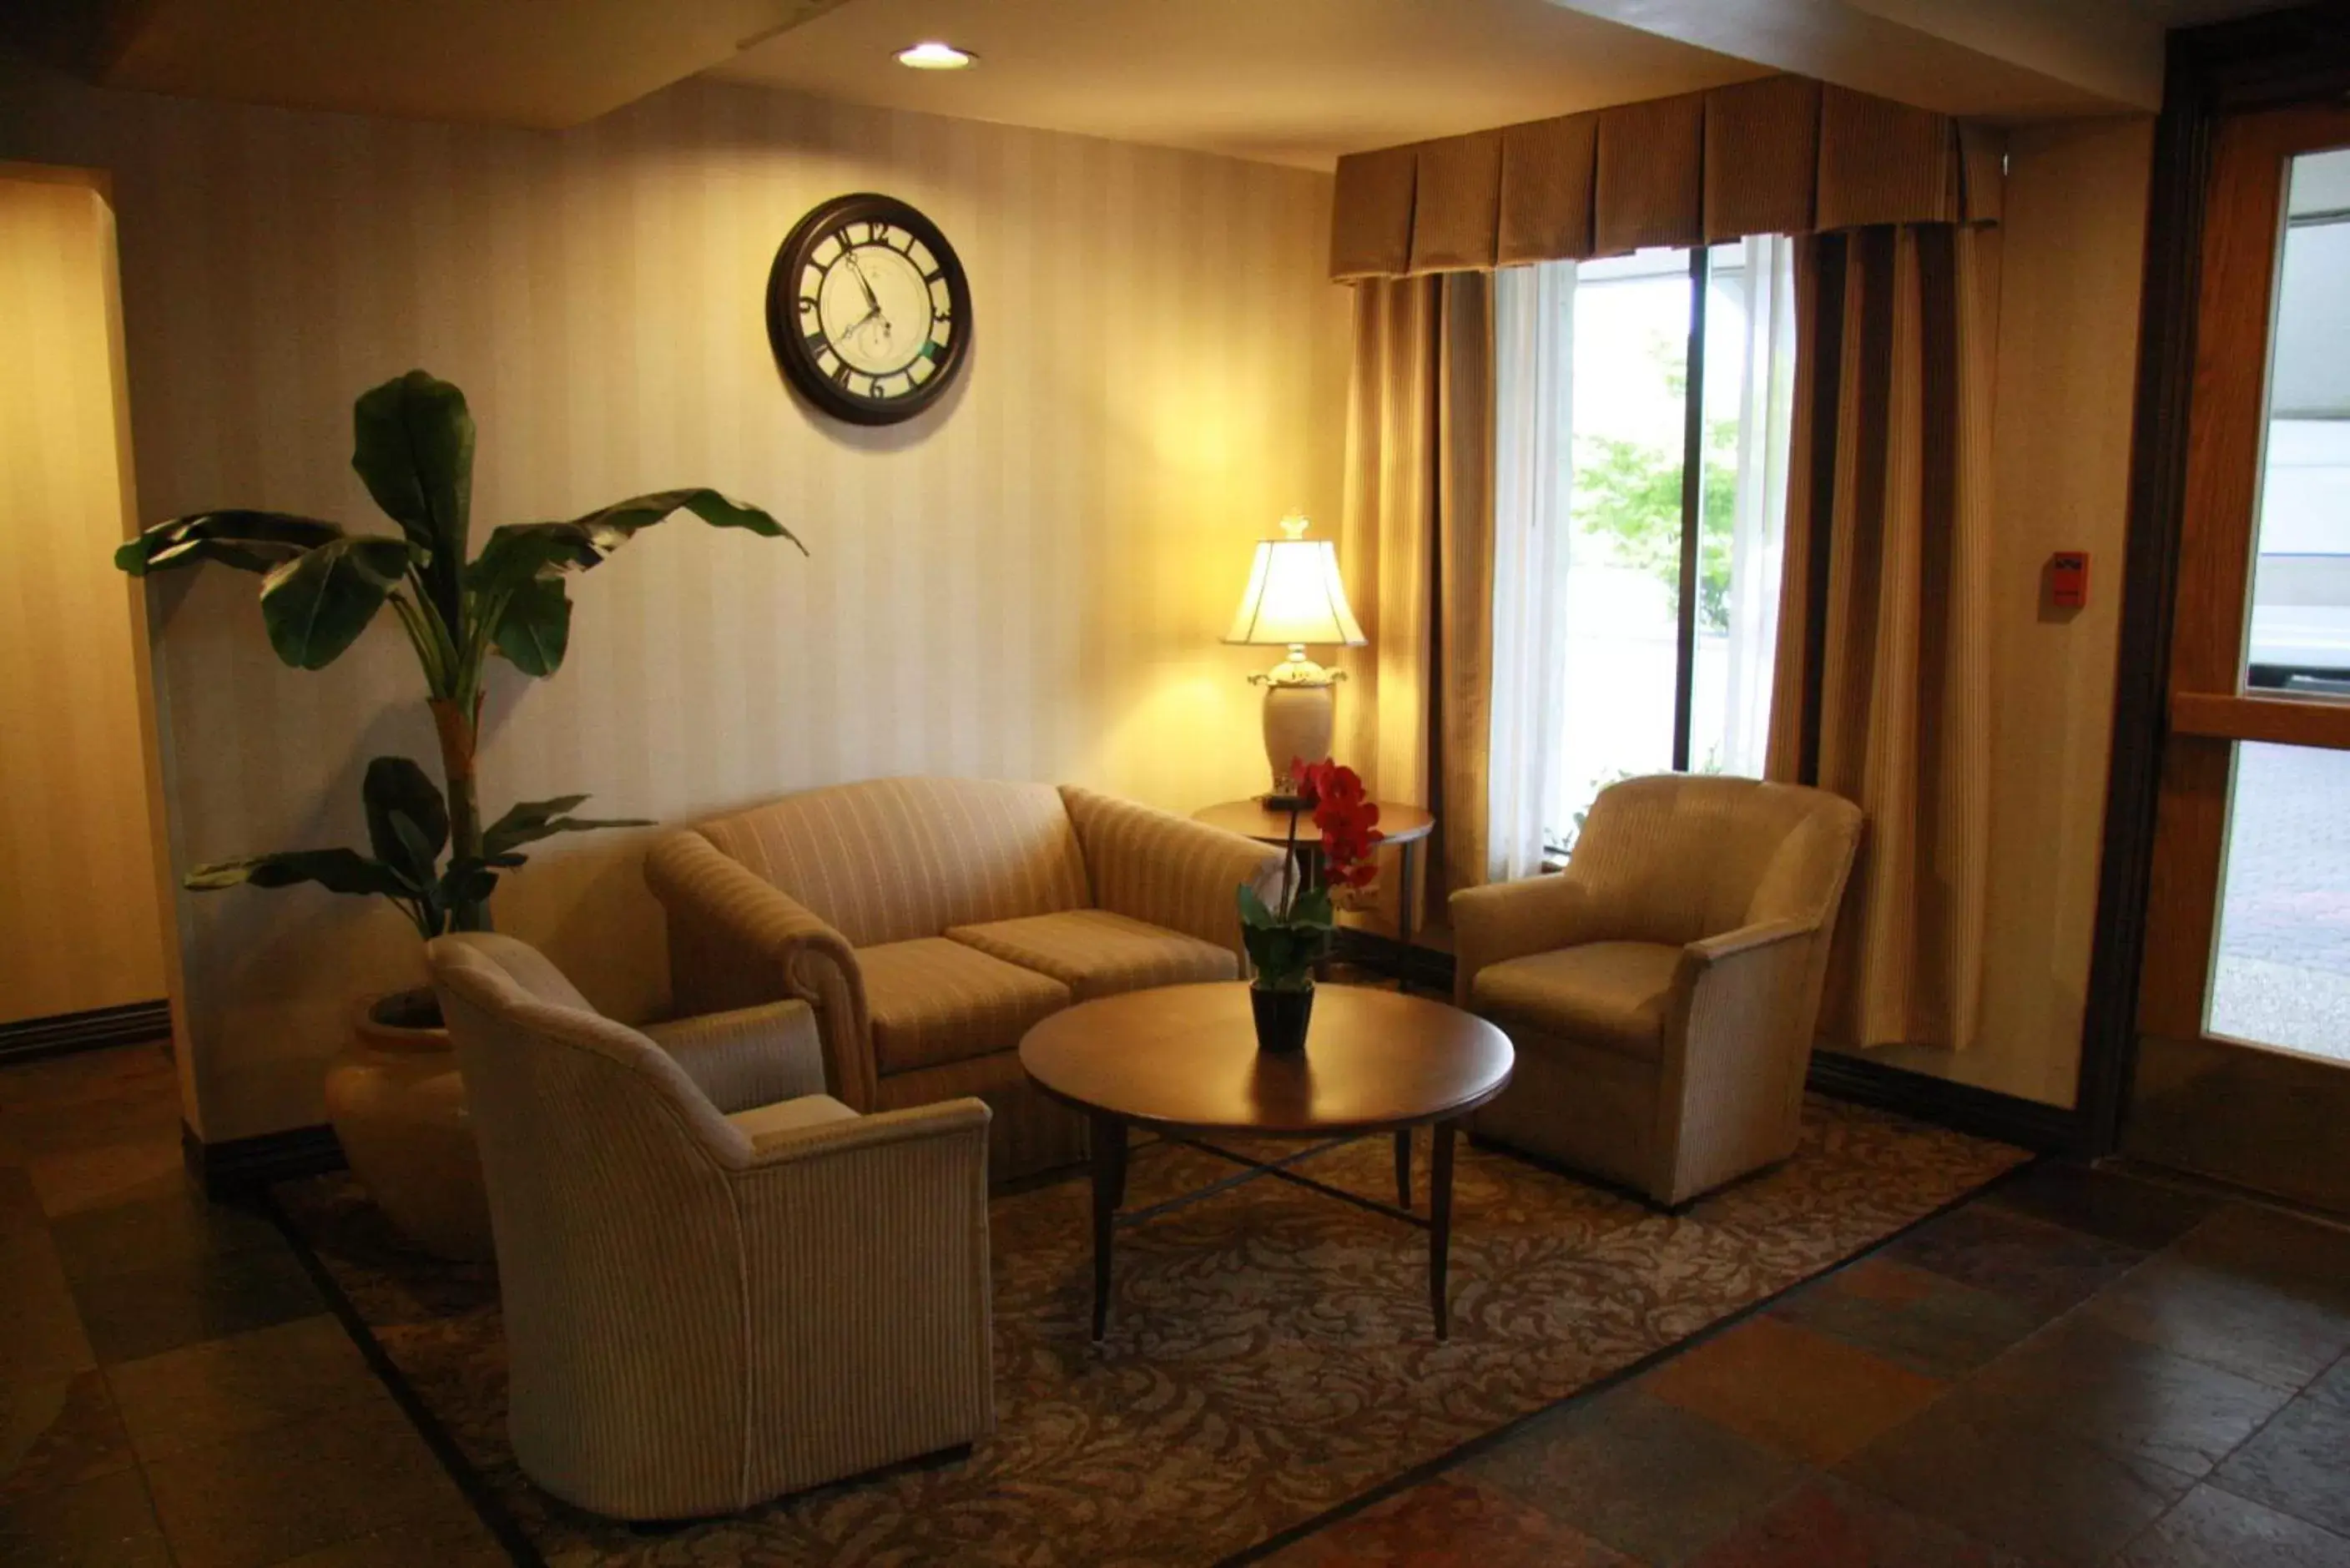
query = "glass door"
x=2243 y=1065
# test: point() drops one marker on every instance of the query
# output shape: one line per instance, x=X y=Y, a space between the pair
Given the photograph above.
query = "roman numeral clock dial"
x=867 y=310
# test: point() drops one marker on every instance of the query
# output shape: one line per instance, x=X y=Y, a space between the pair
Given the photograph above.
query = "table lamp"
x=1294 y=597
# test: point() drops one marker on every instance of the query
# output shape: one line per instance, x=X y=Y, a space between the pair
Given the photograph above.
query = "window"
x=1602 y=403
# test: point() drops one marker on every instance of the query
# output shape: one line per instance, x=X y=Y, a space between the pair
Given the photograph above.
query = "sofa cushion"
x=1096 y=953
x=1609 y=995
x=932 y=1001
x=894 y=859
x=764 y=1125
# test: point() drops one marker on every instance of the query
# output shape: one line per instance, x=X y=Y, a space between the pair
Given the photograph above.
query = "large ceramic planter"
x=399 y=1107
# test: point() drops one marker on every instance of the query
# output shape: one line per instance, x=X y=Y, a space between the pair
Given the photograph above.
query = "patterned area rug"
x=1270 y=1354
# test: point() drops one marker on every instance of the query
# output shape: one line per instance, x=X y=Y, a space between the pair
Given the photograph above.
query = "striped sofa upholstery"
x=707 y=1298
x=929 y=922
x=1662 y=991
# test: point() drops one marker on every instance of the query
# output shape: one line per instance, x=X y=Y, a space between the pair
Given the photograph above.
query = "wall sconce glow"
x=933 y=56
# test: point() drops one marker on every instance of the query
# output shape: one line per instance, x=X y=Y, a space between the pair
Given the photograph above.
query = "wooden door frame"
x=2268 y=61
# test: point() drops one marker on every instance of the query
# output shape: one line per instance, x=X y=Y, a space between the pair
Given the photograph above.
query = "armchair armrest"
x=1709 y=950
x=864 y=1272
x=958 y=1125
x=734 y=940
x=749 y=1056
x=1737 y=1042
x=1503 y=920
x=1168 y=870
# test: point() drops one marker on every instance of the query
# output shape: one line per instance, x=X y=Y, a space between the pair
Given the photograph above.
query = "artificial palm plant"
x=413 y=448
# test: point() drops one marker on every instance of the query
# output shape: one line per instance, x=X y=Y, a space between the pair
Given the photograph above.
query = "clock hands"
x=872 y=301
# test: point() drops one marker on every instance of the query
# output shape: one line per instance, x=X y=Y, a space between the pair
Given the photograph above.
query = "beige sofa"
x=931 y=921
x=1662 y=991
x=720 y=1284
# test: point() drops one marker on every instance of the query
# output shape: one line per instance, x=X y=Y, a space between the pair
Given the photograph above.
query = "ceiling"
x=1289 y=81
x=1301 y=81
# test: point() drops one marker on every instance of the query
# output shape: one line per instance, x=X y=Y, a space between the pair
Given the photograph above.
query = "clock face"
x=867 y=310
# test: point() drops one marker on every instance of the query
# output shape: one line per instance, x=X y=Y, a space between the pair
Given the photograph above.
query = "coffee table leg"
x=1403 y=1168
x=1109 y=1191
x=1439 y=1223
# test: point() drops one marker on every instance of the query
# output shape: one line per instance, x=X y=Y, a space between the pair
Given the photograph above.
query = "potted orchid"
x=1285 y=941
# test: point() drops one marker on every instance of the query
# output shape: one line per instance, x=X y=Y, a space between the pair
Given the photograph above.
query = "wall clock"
x=867 y=310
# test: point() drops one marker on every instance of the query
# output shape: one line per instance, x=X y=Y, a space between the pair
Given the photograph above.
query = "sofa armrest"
x=1503 y=920
x=736 y=940
x=747 y=1058
x=1168 y=870
x=1738 y=1044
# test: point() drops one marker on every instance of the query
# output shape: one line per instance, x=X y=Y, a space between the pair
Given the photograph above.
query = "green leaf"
x=527 y=822
x=609 y=527
x=1254 y=913
x=534 y=628
x=412 y=445
x=1283 y=953
x=396 y=790
x=518 y=553
x=317 y=604
x=521 y=551
x=249 y=540
x=1313 y=909
x=467 y=882
x=337 y=870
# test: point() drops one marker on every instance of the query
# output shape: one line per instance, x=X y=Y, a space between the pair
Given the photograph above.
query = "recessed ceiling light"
x=933 y=56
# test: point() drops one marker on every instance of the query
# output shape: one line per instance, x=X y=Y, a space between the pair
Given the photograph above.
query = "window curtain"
x=1883 y=679
x=1534 y=381
x=1766 y=401
x=1419 y=522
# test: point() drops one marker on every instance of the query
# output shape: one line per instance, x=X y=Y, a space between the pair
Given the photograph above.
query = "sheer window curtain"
x=1533 y=369
x=1535 y=538
x=1767 y=402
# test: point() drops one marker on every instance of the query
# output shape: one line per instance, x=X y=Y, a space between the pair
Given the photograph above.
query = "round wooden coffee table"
x=1182 y=1060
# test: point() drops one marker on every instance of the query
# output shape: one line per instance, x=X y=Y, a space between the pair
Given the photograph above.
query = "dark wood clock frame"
x=799 y=362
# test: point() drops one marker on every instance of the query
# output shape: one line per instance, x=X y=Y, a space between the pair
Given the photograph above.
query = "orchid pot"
x=1287 y=939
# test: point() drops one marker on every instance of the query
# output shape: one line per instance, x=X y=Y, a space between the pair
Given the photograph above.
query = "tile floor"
x=172 y=1388
x=2081 y=1367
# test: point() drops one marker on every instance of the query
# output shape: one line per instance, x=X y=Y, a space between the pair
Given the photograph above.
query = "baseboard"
x=1427 y=969
x=240 y=1167
x=1985 y=1112
x=133 y=1023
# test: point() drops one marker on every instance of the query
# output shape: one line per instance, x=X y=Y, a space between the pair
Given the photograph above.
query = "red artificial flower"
x=1347 y=820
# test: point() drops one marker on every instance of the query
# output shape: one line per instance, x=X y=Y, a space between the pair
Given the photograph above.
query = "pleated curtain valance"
x=1783 y=155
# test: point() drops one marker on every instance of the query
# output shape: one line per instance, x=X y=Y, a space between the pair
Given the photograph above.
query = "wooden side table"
x=1404 y=826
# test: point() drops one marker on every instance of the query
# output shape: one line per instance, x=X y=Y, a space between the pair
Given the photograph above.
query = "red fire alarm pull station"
x=2068 y=579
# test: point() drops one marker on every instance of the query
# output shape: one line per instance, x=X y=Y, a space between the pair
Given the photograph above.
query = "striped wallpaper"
x=1026 y=582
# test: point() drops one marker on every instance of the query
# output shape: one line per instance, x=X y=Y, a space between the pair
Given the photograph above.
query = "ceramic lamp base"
x=1298 y=724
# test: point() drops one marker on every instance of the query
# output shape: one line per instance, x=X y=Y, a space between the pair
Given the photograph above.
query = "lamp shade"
x=1294 y=594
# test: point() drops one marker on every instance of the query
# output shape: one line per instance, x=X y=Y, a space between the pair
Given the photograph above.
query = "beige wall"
x=2075 y=234
x=1028 y=582
x=79 y=927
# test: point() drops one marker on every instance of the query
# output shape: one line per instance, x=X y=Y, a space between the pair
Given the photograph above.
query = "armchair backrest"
x=892 y=859
x=1677 y=858
x=618 y=1238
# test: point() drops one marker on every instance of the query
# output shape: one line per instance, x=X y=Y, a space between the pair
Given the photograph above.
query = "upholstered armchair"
x=720 y=1283
x=1662 y=989
x=931 y=922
